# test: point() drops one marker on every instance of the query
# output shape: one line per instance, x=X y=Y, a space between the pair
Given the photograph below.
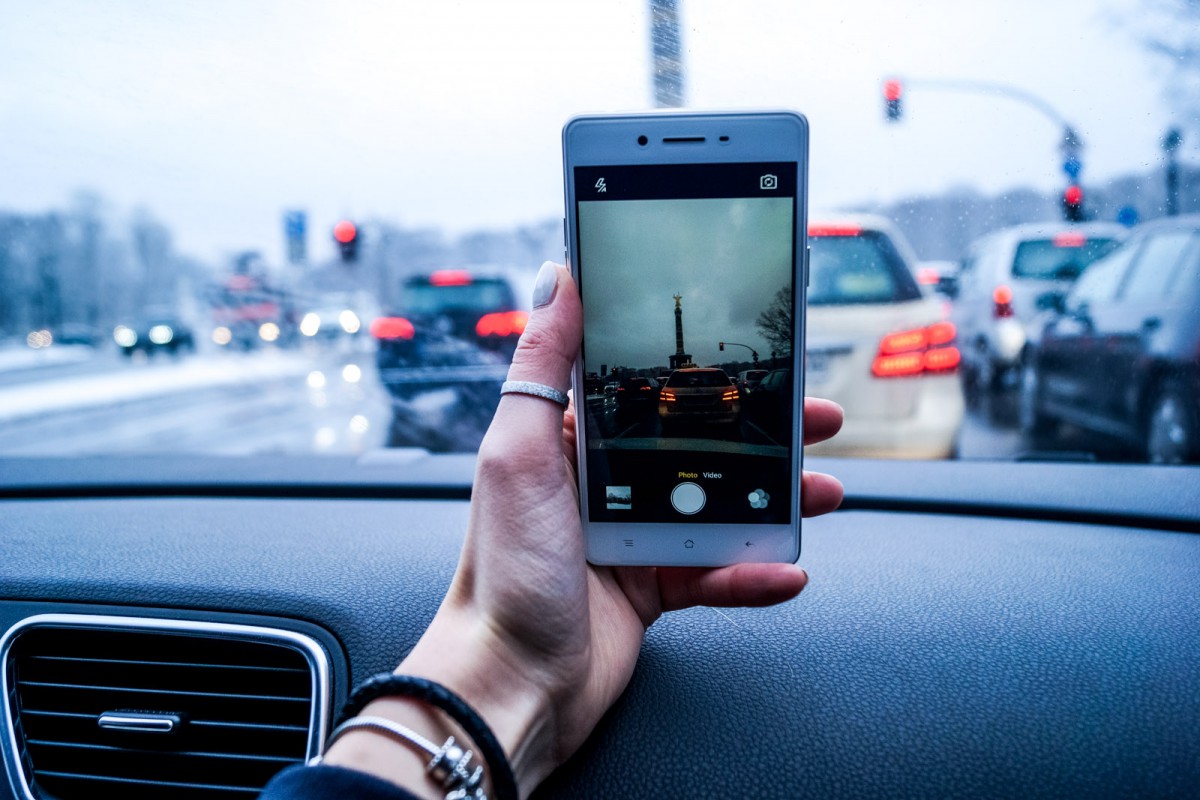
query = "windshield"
x=246 y=228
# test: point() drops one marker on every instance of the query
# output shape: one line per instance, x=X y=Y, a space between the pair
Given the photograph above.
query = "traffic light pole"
x=1070 y=145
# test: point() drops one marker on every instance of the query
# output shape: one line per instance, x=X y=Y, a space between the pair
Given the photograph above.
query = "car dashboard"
x=970 y=629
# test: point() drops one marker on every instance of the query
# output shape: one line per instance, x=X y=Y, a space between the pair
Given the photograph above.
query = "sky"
x=725 y=258
x=219 y=116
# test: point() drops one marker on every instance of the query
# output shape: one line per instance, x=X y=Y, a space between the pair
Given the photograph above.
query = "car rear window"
x=693 y=380
x=479 y=295
x=1045 y=258
x=864 y=268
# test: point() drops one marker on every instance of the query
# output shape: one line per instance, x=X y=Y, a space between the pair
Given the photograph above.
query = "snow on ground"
x=140 y=381
x=14 y=358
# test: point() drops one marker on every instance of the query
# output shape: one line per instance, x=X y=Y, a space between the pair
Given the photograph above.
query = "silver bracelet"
x=449 y=764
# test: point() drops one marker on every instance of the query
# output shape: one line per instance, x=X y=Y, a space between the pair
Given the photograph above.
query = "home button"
x=688 y=498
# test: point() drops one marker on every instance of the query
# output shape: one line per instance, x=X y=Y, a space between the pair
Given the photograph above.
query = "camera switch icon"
x=768 y=182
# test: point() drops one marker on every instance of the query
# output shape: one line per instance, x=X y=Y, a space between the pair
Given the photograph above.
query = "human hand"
x=540 y=642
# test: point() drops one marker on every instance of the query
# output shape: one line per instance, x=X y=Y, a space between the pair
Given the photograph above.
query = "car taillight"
x=730 y=394
x=450 y=277
x=1002 y=299
x=928 y=276
x=502 y=323
x=667 y=396
x=392 y=328
x=833 y=229
x=915 y=351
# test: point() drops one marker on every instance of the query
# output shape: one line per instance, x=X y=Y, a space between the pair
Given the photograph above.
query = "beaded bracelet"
x=387 y=684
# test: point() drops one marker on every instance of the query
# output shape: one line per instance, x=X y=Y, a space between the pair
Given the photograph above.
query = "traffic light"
x=893 y=92
x=1072 y=204
x=345 y=234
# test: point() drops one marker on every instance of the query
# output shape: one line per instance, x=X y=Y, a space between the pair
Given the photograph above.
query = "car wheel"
x=1036 y=426
x=1171 y=431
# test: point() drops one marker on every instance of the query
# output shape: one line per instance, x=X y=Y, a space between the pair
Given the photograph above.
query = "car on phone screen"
x=748 y=380
x=215 y=550
x=877 y=344
x=1119 y=355
x=636 y=396
x=697 y=397
x=157 y=332
x=996 y=291
x=442 y=354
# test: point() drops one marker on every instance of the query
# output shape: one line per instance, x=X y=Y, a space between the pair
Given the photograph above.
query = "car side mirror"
x=1052 y=301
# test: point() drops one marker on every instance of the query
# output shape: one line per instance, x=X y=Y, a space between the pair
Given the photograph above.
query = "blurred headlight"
x=161 y=334
x=125 y=337
x=38 y=339
x=222 y=335
x=349 y=321
x=351 y=373
x=310 y=324
x=268 y=331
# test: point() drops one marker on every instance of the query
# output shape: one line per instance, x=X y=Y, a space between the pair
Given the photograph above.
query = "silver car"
x=1002 y=277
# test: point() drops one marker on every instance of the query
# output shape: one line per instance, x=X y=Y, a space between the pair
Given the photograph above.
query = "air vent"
x=141 y=708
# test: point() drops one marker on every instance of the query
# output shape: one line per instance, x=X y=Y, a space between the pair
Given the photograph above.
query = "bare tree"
x=775 y=324
x=1170 y=29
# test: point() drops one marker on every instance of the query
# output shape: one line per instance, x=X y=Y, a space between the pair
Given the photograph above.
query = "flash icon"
x=600 y=187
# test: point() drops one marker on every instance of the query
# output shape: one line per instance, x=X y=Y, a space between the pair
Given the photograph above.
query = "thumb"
x=545 y=354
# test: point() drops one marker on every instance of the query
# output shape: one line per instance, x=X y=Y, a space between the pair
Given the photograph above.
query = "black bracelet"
x=387 y=684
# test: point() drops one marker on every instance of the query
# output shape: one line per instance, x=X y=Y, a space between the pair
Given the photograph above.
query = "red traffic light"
x=892 y=89
x=1073 y=195
x=345 y=232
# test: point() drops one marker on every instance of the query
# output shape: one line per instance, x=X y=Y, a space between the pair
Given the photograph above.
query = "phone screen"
x=688 y=284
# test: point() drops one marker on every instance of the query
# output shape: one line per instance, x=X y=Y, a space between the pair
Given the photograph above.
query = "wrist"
x=461 y=652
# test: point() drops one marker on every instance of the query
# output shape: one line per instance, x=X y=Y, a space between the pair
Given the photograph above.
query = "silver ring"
x=536 y=390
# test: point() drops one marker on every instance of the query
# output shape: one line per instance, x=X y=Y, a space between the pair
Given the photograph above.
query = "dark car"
x=769 y=406
x=442 y=355
x=1119 y=355
x=160 y=333
x=636 y=397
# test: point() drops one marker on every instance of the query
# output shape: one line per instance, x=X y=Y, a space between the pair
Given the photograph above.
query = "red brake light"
x=1002 y=297
x=942 y=358
x=904 y=341
x=1069 y=240
x=502 y=323
x=392 y=328
x=730 y=394
x=667 y=396
x=915 y=351
x=818 y=229
x=941 y=333
x=928 y=276
x=345 y=231
x=450 y=277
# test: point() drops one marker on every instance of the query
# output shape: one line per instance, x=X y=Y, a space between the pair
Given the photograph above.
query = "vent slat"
x=152 y=662
x=208 y=787
x=242 y=707
x=179 y=753
x=222 y=695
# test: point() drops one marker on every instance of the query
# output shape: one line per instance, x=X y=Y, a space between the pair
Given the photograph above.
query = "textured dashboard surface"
x=931 y=654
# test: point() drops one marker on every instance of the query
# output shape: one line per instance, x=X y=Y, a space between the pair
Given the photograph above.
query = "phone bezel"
x=612 y=140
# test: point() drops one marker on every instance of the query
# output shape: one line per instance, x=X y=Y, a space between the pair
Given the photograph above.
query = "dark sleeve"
x=331 y=783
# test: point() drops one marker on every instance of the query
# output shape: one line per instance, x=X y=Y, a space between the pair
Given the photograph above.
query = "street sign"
x=295 y=229
x=1072 y=166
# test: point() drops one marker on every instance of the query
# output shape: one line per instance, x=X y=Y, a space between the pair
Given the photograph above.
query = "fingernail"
x=547 y=282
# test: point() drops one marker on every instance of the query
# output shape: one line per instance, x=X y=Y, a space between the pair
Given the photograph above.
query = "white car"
x=998 y=287
x=878 y=345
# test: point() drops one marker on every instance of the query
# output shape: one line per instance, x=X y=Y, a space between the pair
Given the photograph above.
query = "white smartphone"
x=686 y=233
